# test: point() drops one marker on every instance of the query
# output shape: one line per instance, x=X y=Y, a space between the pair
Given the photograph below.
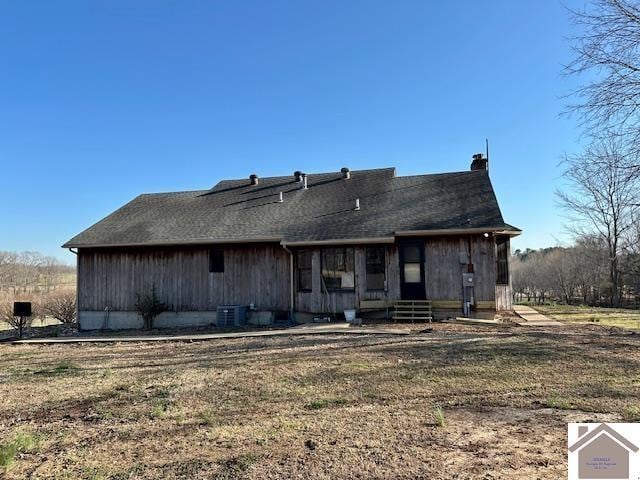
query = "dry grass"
x=612 y=317
x=316 y=406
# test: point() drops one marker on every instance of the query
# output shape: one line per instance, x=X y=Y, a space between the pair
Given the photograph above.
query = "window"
x=216 y=260
x=303 y=262
x=412 y=259
x=375 y=268
x=337 y=269
x=502 y=260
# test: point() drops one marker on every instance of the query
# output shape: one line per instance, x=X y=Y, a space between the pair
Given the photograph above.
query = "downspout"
x=291 y=290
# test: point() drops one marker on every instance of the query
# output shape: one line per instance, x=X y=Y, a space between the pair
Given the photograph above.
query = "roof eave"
x=174 y=243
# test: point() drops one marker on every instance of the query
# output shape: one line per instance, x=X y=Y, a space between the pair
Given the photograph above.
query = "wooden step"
x=414 y=310
x=417 y=309
x=413 y=302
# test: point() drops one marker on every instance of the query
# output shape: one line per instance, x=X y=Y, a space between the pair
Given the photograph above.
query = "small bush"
x=61 y=306
x=438 y=416
x=149 y=307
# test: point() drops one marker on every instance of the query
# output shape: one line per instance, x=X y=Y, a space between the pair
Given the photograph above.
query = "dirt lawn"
x=314 y=406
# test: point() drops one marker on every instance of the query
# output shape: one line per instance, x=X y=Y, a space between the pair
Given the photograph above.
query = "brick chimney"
x=479 y=162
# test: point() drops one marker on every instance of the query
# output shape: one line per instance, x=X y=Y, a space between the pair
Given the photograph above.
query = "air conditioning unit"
x=231 y=316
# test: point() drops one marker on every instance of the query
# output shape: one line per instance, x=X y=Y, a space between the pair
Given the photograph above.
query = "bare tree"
x=61 y=306
x=18 y=323
x=607 y=55
x=603 y=198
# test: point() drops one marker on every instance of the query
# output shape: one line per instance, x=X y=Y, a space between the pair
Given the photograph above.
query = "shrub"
x=149 y=307
x=61 y=306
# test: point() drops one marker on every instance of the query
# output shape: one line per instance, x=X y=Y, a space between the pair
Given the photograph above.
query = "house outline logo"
x=602 y=453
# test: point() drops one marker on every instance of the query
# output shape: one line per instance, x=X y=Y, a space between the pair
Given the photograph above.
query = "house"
x=306 y=244
x=602 y=452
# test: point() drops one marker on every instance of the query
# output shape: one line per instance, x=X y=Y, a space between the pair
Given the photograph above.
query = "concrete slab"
x=478 y=321
x=312 y=329
x=533 y=318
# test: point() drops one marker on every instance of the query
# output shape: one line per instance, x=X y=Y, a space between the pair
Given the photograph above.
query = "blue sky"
x=101 y=101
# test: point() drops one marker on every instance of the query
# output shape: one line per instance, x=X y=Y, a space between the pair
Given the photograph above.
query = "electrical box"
x=467 y=279
x=464 y=258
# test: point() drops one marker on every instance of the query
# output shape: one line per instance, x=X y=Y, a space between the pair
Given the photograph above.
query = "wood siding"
x=260 y=274
x=504 y=295
x=443 y=268
x=253 y=274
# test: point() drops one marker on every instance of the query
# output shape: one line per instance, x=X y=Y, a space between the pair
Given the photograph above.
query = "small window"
x=303 y=261
x=216 y=260
x=502 y=260
x=375 y=268
x=337 y=269
x=412 y=258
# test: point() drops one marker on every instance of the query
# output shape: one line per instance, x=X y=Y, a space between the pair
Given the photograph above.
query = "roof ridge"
x=441 y=174
x=335 y=172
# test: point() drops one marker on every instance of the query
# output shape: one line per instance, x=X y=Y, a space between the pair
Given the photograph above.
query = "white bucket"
x=350 y=315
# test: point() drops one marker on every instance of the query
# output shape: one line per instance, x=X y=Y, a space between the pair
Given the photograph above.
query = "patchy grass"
x=208 y=418
x=612 y=317
x=324 y=403
x=22 y=442
x=323 y=406
x=62 y=367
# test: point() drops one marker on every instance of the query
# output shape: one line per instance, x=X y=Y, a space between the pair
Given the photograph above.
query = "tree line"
x=32 y=272
x=578 y=274
x=45 y=281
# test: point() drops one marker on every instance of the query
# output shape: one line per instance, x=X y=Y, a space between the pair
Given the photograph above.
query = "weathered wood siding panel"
x=504 y=301
x=112 y=278
x=443 y=269
x=504 y=293
x=320 y=301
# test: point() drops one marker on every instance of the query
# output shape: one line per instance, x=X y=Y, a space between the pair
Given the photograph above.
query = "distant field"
x=612 y=317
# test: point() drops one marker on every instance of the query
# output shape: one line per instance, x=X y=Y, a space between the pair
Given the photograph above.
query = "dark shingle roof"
x=235 y=210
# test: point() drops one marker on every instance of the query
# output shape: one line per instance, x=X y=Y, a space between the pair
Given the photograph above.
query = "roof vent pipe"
x=297 y=175
x=346 y=174
x=254 y=179
x=304 y=182
x=280 y=198
x=357 y=204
